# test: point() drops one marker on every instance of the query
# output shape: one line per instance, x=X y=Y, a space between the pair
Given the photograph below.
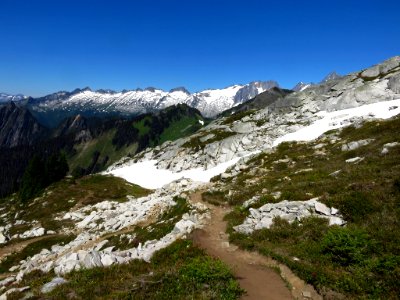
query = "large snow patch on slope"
x=342 y=118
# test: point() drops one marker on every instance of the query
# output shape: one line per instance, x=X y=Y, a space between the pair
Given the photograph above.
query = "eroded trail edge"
x=256 y=273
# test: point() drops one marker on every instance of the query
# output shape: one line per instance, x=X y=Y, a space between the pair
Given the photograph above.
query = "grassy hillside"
x=360 y=260
x=132 y=136
x=180 y=271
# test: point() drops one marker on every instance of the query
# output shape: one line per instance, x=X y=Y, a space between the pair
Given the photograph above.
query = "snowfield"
x=148 y=176
x=146 y=173
x=342 y=118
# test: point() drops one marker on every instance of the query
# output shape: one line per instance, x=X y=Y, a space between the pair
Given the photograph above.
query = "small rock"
x=356 y=159
x=306 y=294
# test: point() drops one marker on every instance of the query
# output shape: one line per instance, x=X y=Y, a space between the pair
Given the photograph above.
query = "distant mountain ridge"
x=8 y=98
x=53 y=108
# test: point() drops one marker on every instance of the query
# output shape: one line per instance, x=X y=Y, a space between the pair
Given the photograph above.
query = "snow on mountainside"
x=305 y=115
x=301 y=86
x=210 y=102
x=8 y=98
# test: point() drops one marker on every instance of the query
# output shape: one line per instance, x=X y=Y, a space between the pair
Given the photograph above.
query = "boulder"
x=356 y=144
x=92 y=259
x=108 y=260
x=394 y=83
x=3 y=238
x=322 y=209
x=56 y=281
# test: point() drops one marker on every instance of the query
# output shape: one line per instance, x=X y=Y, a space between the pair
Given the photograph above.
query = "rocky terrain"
x=299 y=176
x=250 y=131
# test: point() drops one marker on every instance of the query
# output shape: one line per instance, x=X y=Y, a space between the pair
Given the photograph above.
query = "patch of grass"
x=237 y=116
x=33 y=249
x=103 y=145
x=62 y=196
x=180 y=271
x=196 y=144
x=180 y=128
x=214 y=197
x=144 y=125
x=346 y=260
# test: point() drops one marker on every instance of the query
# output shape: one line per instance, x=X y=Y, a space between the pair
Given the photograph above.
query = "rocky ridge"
x=242 y=135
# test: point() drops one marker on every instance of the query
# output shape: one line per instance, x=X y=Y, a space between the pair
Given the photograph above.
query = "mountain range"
x=308 y=178
x=52 y=109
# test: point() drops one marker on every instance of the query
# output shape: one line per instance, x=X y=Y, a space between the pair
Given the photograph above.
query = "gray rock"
x=92 y=259
x=3 y=238
x=371 y=72
x=356 y=144
x=56 y=281
x=394 y=83
x=355 y=159
x=7 y=281
x=322 y=209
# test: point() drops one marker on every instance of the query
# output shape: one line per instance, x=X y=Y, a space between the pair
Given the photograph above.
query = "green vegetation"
x=60 y=197
x=361 y=260
x=237 y=116
x=143 y=125
x=32 y=249
x=181 y=128
x=180 y=271
x=40 y=173
x=214 y=197
x=98 y=154
x=217 y=135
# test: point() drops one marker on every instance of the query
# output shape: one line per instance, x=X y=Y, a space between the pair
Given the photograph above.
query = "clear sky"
x=46 y=46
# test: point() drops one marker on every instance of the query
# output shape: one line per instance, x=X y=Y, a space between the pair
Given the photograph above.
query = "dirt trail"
x=253 y=270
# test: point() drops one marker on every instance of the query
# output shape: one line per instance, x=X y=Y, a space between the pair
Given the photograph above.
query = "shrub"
x=345 y=246
x=356 y=206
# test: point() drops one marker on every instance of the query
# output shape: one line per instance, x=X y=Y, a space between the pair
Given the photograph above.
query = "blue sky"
x=46 y=46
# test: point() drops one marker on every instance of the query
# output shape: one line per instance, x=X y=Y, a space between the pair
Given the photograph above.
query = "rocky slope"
x=53 y=108
x=18 y=126
x=244 y=133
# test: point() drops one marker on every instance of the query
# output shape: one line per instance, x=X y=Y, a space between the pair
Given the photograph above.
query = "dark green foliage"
x=356 y=205
x=40 y=173
x=345 y=246
x=147 y=130
x=237 y=116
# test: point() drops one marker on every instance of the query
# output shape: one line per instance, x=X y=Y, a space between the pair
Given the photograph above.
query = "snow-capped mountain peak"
x=210 y=102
